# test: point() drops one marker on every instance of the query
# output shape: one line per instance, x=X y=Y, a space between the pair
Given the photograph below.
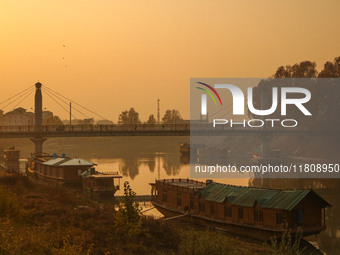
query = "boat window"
x=179 y=199
x=299 y=216
x=323 y=217
x=279 y=218
x=212 y=208
x=191 y=203
x=165 y=196
x=228 y=211
x=258 y=215
x=240 y=213
x=201 y=206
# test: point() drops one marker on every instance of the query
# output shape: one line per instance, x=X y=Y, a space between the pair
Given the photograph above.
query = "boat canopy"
x=68 y=162
x=265 y=198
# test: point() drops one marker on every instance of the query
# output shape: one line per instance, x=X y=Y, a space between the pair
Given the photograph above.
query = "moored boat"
x=11 y=160
x=60 y=170
x=255 y=212
x=100 y=184
x=184 y=149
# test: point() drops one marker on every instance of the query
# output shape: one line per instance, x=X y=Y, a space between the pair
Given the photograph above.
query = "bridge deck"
x=153 y=130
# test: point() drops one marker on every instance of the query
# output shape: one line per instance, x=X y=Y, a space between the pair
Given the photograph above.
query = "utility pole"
x=158 y=112
x=70 y=113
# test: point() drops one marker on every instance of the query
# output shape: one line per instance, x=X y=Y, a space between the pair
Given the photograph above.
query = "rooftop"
x=265 y=198
x=68 y=162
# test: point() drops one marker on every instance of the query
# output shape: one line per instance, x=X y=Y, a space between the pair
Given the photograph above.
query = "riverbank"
x=39 y=219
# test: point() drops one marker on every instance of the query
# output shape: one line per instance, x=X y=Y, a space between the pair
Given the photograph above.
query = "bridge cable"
x=227 y=113
x=77 y=104
x=61 y=105
x=18 y=97
x=23 y=94
x=224 y=114
x=22 y=100
x=51 y=93
x=220 y=110
x=16 y=94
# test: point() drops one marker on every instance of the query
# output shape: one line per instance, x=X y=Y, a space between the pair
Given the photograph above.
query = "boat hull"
x=255 y=232
x=52 y=180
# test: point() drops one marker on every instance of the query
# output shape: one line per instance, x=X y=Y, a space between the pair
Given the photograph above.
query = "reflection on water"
x=140 y=171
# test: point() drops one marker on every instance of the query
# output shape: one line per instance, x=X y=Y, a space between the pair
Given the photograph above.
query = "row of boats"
x=254 y=212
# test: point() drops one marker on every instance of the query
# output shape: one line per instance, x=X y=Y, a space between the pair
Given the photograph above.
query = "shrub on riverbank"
x=195 y=242
x=53 y=220
x=39 y=219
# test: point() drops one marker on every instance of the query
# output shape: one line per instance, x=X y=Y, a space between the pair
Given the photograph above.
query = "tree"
x=324 y=104
x=171 y=116
x=331 y=69
x=305 y=69
x=127 y=219
x=151 y=119
x=129 y=117
x=283 y=72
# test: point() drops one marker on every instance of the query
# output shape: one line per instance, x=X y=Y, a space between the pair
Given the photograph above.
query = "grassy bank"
x=39 y=219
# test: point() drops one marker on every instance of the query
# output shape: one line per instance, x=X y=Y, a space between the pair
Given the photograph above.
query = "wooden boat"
x=184 y=149
x=254 y=212
x=11 y=160
x=100 y=184
x=60 y=170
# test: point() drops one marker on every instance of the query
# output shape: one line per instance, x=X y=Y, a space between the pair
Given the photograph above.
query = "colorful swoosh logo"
x=208 y=92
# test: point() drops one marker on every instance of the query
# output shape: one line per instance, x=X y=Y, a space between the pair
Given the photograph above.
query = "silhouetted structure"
x=38 y=140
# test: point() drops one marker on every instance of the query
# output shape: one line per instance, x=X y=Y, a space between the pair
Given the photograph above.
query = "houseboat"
x=60 y=170
x=100 y=184
x=254 y=212
x=184 y=149
x=10 y=160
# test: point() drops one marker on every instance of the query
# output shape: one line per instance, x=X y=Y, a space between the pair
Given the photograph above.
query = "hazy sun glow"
x=110 y=55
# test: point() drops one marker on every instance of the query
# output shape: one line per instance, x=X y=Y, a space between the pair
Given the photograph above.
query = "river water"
x=141 y=160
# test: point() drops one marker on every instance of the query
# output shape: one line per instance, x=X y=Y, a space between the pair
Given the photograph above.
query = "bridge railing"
x=144 y=127
x=97 y=128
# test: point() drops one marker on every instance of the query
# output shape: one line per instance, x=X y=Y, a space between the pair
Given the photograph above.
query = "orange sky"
x=122 y=53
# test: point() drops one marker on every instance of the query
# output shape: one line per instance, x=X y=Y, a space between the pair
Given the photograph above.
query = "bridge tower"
x=38 y=140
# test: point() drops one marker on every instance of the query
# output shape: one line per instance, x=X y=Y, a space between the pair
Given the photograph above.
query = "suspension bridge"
x=38 y=132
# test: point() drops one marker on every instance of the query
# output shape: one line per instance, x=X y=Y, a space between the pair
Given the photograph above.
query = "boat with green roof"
x=254 y=212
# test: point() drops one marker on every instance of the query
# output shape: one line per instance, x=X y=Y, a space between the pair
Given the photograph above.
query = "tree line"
x=324 y=104
x=132 y=117
x=307 y=69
